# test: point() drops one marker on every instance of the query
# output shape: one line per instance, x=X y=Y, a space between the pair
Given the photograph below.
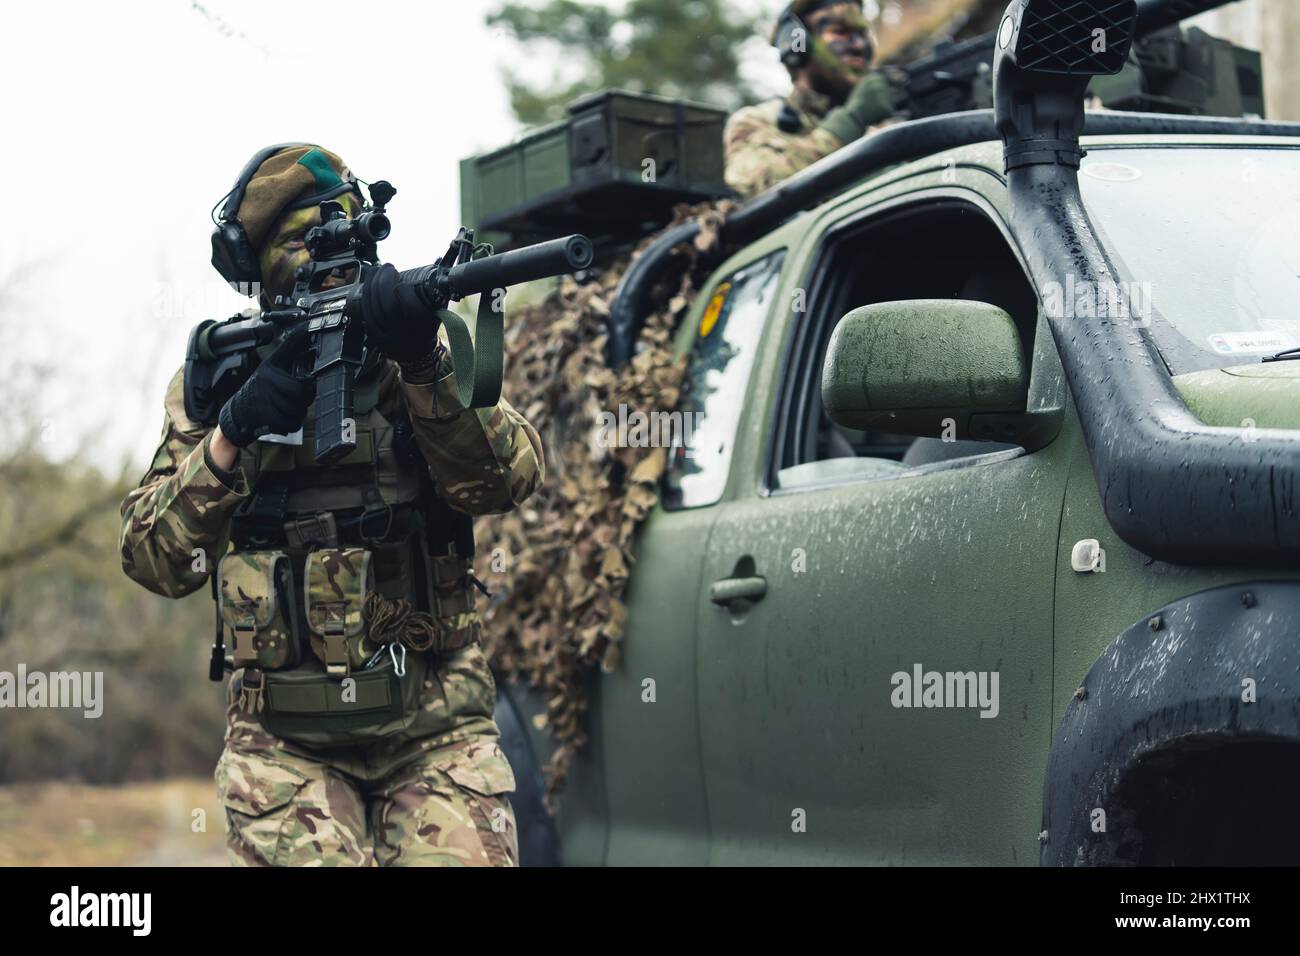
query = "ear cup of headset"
x=233 y=256
x=792 y=41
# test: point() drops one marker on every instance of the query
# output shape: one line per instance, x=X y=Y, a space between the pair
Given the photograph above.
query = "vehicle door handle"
x=728 y=591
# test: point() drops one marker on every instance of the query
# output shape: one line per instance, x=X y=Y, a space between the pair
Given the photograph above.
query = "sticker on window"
x=1252 y=343
x=714 y=309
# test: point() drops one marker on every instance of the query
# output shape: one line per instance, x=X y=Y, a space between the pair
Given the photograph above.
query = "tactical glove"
x=878 y=96
x=397 y=318
x=272 y=401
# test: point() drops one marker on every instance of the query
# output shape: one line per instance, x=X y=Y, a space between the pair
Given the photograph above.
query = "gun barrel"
x=539 y=261
x=1155 y=15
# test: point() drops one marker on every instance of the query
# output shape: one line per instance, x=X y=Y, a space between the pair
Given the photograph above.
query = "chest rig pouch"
x=376 y=585
x=255 y=604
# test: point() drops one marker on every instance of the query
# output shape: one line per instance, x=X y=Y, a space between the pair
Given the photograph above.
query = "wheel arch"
x=1177 y=683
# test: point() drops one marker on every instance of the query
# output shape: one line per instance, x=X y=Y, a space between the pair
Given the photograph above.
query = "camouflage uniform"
x=436 y=794
x=760 y=154
x=772 y=141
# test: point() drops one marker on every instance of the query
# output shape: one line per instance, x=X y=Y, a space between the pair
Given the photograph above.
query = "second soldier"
x=826 y=47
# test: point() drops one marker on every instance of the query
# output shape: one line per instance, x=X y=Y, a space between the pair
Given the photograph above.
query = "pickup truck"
x=986 y=548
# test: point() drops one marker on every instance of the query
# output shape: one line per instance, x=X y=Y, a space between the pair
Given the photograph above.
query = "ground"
x=138 y=824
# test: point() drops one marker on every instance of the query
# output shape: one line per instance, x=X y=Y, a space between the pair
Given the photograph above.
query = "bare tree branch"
x=226 y=30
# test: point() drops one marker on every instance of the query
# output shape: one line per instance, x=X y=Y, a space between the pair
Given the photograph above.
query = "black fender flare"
x=1178 y=673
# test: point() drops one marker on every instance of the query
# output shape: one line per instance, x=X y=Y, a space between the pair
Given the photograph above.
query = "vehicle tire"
x=539 y=842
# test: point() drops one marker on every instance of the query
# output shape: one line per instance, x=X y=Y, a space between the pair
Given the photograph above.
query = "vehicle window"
x=1225 y=293
x=942 y=249
x=714 y=391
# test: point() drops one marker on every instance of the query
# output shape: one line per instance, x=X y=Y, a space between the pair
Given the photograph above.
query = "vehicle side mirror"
x=934 y=368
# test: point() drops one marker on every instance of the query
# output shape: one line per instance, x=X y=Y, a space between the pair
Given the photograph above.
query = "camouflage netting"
x=558 y=565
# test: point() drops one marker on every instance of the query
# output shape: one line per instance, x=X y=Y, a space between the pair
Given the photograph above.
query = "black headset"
x=789 y=28
x=232 y=254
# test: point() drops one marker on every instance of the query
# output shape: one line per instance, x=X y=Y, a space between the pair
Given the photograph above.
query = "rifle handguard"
x=478 y=364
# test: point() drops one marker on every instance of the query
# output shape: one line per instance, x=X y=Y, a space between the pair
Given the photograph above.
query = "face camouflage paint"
x=285 y=251
x=838 y=36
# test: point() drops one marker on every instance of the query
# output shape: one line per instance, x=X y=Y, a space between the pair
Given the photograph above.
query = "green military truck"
x=986 y=550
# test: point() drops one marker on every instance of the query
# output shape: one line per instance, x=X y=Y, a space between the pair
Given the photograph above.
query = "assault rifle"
x=327 y=296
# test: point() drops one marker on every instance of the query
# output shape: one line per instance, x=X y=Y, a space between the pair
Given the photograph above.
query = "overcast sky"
x=127 y=121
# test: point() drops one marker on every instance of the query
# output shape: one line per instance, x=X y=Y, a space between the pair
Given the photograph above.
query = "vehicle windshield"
x=1208 y=243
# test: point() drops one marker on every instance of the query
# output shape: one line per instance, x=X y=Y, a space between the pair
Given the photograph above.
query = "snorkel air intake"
x=1172 y=487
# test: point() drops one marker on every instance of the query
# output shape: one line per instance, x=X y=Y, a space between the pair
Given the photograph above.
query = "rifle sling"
x=478 y=365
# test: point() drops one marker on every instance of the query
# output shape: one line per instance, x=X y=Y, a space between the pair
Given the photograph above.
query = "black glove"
x=397 y=318
x=272 y=401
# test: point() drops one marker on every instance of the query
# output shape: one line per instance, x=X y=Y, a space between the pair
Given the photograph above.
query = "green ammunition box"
x=613 y=170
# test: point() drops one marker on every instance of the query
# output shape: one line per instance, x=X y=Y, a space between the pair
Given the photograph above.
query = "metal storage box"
x=613 y=169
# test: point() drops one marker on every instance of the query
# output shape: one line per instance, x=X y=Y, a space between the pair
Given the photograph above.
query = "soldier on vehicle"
x=827 y=48
x=360 y=711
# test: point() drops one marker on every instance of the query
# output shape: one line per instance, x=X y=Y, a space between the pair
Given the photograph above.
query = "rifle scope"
x=338 y=235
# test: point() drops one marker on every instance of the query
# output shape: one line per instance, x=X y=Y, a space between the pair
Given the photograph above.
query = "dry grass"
x=60 y=824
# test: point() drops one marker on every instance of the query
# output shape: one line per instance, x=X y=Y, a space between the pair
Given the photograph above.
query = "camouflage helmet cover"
x=292 y=178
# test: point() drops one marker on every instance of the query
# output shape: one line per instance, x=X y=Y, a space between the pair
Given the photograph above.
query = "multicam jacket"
x=481 y=461
x=760 y=153
x=177 y=526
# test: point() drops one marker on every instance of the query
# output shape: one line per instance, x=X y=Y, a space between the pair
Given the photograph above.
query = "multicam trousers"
x=438 y=801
